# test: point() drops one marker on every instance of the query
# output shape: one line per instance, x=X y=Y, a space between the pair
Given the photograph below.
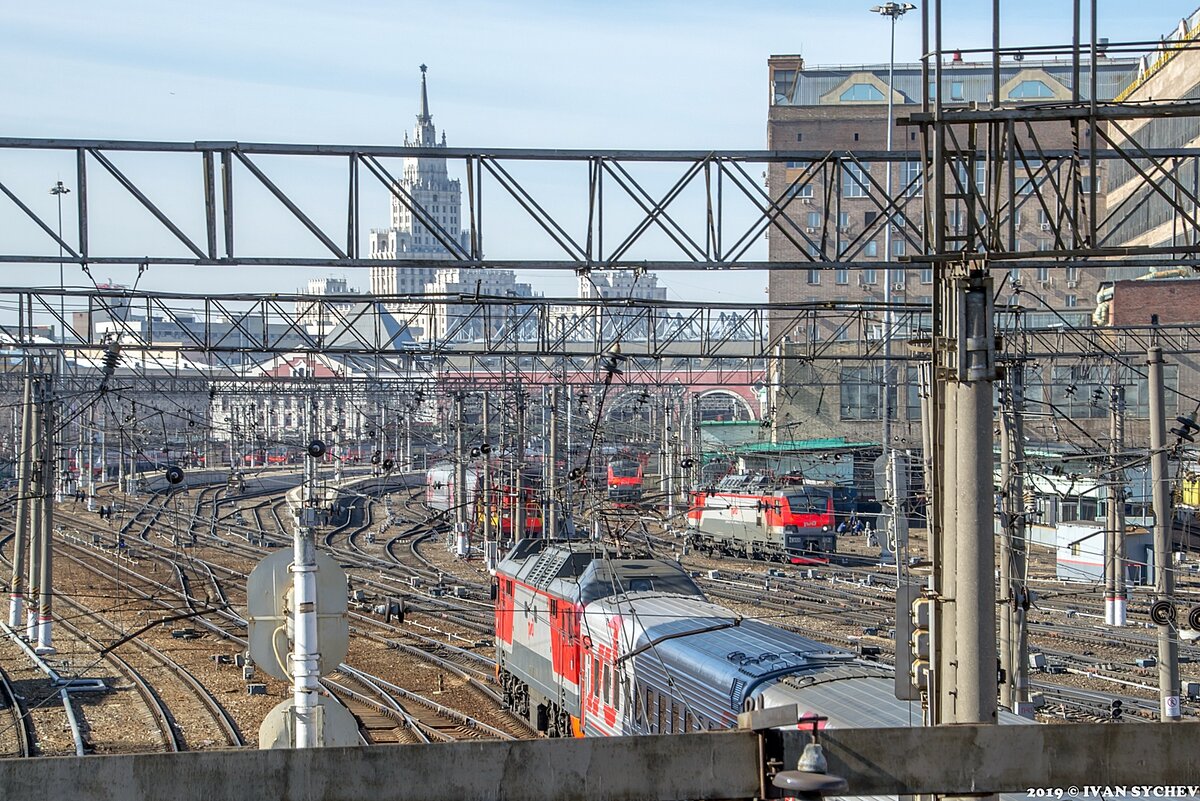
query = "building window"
x=814 y=277
x=927 y=275
x=814 y=219
x=843 y=220
x=842 y=276
x=871 y=250
x=1072 y=301
x=854 y=181
x=860 y=93
x=860 y=393
x=796 y=165
x=956 y=90
x=1030 y=89
x=800 y=190
x=899 y=246
x=1014 y=274
x=913 y=178
x=870 y=277
x=1045 y=244
x=1043 y=273
x=1072 y=273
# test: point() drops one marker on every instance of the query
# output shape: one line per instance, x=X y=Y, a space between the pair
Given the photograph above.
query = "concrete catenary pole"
x=45 y=643
x=1164 y=578
x=551 y=527
x=1114 y=542
x=518 y=496
x=1120 y=594
x=305 y=670
x=488 y=534
x=37 y=487
x=460 y=472
x=975 y=594
x=16 y=602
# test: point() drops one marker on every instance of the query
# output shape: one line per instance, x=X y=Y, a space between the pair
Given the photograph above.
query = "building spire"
x=424 y=117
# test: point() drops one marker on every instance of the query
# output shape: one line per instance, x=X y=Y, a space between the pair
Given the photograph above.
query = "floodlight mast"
x=893 y=11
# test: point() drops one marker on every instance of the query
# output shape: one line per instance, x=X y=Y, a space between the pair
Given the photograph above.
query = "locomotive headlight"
x=825 y=529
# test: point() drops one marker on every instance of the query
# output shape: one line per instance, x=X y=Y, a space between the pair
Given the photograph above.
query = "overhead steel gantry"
x=631 y=209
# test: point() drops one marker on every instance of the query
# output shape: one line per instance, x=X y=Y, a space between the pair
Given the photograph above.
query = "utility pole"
x=1114 y=542
x=1164 y=578
x=21 y=534
x=305 y=670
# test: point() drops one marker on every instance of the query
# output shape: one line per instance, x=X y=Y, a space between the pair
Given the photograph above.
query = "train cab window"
x=595 y=678
x=641 y=585
x=607 y=686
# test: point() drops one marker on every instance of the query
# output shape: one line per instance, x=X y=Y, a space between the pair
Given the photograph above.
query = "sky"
x=565 y=74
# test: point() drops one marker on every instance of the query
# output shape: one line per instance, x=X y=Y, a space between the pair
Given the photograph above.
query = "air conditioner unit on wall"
x=1072 y=284
x=1045 y=226
x=810 y=230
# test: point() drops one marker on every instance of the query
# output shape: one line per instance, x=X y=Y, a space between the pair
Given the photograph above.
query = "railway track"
x=17 y=730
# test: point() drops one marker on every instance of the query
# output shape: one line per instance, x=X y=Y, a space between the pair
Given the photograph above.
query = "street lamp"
x=58 y=190
x=894 y=11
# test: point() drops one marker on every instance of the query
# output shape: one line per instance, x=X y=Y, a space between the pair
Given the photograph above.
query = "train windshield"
x=624 y=469
x=811 y=501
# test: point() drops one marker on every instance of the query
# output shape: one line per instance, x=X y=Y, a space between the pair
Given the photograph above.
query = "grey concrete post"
x=1164 y=578
x=21 y=525
x=975 y=595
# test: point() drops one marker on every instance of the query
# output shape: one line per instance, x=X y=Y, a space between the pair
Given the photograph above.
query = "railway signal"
x=1116 y=709
x=919 y=642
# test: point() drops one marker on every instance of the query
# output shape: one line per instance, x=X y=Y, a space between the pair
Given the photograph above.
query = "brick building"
x=839 y=215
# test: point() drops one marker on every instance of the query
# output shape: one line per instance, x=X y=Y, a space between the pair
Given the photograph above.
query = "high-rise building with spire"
x=426 y=181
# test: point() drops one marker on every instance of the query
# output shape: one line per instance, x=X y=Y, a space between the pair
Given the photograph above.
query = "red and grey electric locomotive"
x=625 y=480
x=759 y=517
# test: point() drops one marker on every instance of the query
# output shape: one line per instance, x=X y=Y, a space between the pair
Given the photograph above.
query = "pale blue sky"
x=519 y=74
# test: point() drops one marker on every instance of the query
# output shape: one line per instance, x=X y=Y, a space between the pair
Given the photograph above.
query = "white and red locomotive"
x=760 y=517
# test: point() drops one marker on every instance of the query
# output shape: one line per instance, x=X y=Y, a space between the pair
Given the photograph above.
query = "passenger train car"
x=759 y=517
x=591 y=645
